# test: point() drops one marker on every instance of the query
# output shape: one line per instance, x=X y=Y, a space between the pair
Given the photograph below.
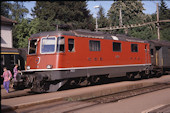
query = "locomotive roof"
x=160 y=43
x=90 y=34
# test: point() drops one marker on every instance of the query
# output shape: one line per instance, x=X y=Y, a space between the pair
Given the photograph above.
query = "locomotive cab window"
x=60 y=44
x=134 y=47
x=94 y=45
x=48 y=45
x=151 y=52
x=32 y=46
x=116 y=46
x=71 y=45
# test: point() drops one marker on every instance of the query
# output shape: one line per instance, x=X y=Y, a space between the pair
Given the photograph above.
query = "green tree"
x=33 y=26
x=102 y=20
x=145 y=32
x=18 y=11
x=23 y=31
x=164 y=13
x=132 y=12
x=69 y=13
x=163 y=10
x=6 y=8
x=21 y=34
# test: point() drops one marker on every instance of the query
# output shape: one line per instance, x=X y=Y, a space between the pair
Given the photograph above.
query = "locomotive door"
x=146 y=55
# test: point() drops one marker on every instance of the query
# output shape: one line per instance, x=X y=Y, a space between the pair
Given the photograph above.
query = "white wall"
x=6 y=36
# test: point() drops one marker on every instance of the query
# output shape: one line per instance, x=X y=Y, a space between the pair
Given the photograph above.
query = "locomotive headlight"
x=49 y=66
x=28 y=67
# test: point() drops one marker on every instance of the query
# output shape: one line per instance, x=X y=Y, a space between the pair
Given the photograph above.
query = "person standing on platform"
x=7 y=76
x=16 y=71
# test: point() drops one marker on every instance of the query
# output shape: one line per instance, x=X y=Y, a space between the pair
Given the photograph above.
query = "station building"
x=9 y=55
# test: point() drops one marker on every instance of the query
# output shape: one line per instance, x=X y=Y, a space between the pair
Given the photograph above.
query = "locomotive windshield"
x=32 y=46
x=48 y=45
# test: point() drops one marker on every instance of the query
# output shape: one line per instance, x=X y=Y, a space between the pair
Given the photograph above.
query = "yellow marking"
x=162 y=62
x=156 y=58
x=8 y=53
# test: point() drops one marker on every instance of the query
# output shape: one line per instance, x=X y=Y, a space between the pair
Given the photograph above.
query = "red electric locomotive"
x=57 y=57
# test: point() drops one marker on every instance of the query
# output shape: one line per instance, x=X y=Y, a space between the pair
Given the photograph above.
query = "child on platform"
x=7 y=76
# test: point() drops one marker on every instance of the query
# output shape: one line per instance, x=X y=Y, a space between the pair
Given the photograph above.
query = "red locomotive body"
x=82 y=57
x=56 y=57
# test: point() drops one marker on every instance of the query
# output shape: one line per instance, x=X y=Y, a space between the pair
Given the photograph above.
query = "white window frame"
x=29 y=47
x=74 y=45
x=96 y=46
x=137 y=48
x=120 y=46
x=64 y=45
x=55 y=44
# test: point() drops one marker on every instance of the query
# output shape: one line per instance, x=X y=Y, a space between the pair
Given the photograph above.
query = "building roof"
x=7 y=20
x=5 y=50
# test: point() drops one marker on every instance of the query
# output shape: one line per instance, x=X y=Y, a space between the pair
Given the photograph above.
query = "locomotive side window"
x=60 y=44
x=134 y=47
x=94 y=45
x=116 y=46
x=32 y=46
x=71 y=45
x=48 y=45
x=151 y=52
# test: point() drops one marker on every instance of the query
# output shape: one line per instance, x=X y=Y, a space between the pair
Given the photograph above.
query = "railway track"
x=120 y=96
x=66 y=106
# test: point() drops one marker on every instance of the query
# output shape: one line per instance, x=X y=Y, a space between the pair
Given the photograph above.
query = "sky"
x=150 y=6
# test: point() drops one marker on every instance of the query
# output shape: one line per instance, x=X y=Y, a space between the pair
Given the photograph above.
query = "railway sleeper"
x=130 y=76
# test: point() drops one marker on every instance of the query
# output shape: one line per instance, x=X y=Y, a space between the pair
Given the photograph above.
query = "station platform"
x=79 y=93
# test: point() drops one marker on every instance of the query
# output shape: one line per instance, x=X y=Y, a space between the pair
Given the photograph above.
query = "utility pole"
x=158 y=27
x=120 y=20
x=96 y=17
x=120 y=16
x=57 y=27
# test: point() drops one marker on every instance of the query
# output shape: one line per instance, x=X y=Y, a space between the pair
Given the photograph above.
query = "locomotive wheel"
x=145 y=76
x=130 y=76
x=75 y=81
x=84 y=82
x=94 y=79
x=158 y=74
x=28 y=82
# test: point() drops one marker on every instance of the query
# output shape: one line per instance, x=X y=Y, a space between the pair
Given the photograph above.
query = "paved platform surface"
x=79 y=93
x=159 y=109
x=162 y=109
